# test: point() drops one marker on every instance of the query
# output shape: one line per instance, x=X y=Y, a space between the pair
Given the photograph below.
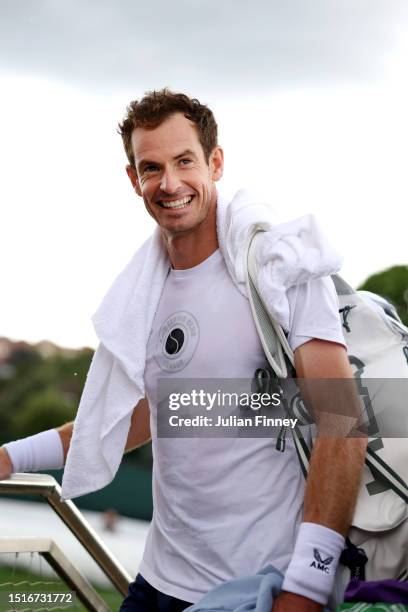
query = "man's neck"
x=189 y=250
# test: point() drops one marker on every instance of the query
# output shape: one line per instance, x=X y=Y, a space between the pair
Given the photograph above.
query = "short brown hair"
x=156 y=106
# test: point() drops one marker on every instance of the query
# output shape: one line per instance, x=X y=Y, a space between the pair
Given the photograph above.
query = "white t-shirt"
x=222 y=507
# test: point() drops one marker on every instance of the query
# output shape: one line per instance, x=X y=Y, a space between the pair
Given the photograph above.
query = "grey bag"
x=377 y=344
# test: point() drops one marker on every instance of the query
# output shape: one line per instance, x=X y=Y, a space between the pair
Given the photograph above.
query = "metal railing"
x=48 y=488
x=61 y=565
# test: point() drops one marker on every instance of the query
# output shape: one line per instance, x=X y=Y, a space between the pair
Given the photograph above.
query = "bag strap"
x=393 y=480
x=276 y=346
x=271 y=334
x=372 y=460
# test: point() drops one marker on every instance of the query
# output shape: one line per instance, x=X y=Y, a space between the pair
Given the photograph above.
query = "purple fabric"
x=384 y=591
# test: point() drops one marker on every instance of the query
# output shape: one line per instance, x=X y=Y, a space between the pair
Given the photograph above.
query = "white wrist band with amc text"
x=312 y=568
x=43 y=451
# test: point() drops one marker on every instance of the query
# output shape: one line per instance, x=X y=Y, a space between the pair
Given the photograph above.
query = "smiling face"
x=173 y=178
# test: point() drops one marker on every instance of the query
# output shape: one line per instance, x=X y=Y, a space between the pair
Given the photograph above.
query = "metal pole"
x=61 y=565
x=48 y=488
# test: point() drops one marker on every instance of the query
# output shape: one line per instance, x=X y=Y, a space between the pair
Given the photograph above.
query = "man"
x=223 y=507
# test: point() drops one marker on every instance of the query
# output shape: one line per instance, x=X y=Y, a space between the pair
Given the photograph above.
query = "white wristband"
x=43 y=451
x=314 y=562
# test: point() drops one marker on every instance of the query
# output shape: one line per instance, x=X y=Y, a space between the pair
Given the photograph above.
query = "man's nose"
x=170 y=182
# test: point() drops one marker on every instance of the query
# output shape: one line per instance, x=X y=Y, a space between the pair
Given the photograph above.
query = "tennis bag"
x=377 y=344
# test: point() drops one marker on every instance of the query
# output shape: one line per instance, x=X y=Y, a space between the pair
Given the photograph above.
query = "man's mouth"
x=180 y=203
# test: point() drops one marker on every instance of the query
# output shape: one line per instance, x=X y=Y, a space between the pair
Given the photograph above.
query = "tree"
x=39 y=392
x=391 y=284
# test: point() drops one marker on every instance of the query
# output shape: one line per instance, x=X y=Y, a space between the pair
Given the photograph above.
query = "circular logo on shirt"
x=177 y=341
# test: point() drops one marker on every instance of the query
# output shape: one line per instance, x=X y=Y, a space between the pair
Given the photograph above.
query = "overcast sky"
x=311 y=102
x=217 y=46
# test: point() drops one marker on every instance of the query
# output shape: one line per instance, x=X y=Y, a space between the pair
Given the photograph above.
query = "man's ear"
x=216 y=163
x=132 y=174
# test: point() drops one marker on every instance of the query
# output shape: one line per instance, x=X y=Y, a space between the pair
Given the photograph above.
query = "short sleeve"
x=314 y=313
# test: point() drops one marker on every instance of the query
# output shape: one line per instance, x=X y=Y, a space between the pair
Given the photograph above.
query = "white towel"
x=287 y=254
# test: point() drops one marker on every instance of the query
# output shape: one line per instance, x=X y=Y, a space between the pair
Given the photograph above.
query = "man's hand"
x=6 y=467
x=291 y=602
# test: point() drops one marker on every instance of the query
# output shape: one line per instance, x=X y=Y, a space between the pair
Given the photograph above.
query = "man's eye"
x=150 y=168
x=185 y=161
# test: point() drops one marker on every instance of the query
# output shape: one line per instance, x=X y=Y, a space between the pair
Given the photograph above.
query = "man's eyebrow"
x=184 y=153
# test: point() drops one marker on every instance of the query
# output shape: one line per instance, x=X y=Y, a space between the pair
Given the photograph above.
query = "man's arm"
x=139 y=434
x=139 y=431
x=336 y=464
x=6 y=467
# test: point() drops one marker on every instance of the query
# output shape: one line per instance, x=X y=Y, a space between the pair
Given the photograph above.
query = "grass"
x=17 y=575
